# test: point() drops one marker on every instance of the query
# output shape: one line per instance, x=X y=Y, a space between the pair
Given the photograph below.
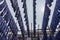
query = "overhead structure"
x=3 y=29
x=47 y=11
x=8 y=18
x=7 y=23
x=34 y=17
x=55 y=19
x=26 y=17
x=18 y=16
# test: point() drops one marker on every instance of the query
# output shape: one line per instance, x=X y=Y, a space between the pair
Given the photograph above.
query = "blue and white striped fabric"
x=46 y=18
x=5 y=13
x=26 y=17
x=3 y=29
x=18 y=16
x=55 y=19
x=57 y=37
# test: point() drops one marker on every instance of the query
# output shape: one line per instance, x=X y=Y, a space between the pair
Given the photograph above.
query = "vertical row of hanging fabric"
x=54 y=22
x=8 y=22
